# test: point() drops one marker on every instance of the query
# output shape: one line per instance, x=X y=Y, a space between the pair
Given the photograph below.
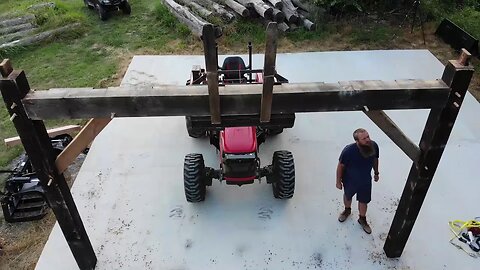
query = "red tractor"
x=238 y=145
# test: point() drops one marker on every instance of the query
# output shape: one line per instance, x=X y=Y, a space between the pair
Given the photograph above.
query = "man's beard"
x=367 y=150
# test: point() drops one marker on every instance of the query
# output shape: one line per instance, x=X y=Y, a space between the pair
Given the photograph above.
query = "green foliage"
x=340 y=6
x=244 y=30
x=468 y=19
x=323 y=31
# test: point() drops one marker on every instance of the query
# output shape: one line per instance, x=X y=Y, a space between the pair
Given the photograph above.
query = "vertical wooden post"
x=36 y=142
x=210 y=51
x=435 y=136
x=269 y=72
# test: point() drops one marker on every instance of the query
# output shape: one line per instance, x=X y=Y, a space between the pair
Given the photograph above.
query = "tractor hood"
x=237 y=140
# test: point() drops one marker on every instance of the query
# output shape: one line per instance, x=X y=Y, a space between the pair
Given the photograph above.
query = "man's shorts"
x=364 y=192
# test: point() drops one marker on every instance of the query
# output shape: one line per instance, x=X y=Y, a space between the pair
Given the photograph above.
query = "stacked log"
x=196 y=13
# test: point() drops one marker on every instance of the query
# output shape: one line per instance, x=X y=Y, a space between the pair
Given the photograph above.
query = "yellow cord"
x=457 y=226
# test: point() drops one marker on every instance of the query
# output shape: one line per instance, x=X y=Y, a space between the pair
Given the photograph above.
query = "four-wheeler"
x=23 y=198
x=238 y=145
x=105 y=6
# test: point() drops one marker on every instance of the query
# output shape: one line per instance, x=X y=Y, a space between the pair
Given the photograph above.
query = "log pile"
x=22 y=30
x=289 y=14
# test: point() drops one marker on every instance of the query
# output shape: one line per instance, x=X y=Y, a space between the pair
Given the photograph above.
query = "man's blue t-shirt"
x=357 y=169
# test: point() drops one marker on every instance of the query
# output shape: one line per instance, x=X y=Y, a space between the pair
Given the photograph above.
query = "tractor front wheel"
x=283 y=174
x=102 y=13
x=126 y=8
x=194 y=176
x=87 y=4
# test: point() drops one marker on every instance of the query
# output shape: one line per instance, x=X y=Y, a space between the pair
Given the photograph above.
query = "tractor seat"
x=234 y=68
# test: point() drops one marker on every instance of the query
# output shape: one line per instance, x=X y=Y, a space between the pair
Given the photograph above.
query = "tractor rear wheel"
x=283 y=184
x=275 y=131
x=194 y=176
x=194 y=132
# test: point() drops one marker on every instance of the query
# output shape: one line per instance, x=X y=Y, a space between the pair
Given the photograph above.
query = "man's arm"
x=340 y=168
x=376 y=176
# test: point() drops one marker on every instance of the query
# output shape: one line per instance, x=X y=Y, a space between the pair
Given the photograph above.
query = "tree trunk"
x=290 y=12
x=260 y=7
x=238 y=8
x=194 y=23
x=16 y=35
x=283 y=27
x=16 y=28
x=203 y=12
x=220 y=10
x=307 y=23
x=278 y=16
x=39 y=37
x=276 y=3
x=17 y=21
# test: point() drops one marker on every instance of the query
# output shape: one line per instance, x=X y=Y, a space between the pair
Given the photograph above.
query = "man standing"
x=354 y=175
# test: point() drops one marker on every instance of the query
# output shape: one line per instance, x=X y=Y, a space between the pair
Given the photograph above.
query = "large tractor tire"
x=193 y=132
x=126 y=8
x=275 y=131
x=102 y=13
x=283 y=184
x=87 y=5
x=194 y=177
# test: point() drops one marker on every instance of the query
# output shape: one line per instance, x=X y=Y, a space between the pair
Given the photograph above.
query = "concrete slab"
x=130 y=191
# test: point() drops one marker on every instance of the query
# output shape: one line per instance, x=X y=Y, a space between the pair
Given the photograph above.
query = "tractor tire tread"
x=284 y=175
x=194 y=178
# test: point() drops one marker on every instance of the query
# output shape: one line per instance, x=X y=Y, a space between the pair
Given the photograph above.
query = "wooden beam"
x=38 y=147
x=435 y=136
x=269 y=72
x=6 y=68
x=84 y=103
x=394 y=133
x=80 y=142
x=51 y=133
x=211 y=64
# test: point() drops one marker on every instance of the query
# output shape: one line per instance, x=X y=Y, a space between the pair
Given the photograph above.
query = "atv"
x=23 y=198
x=237 y=145
x=105 y=6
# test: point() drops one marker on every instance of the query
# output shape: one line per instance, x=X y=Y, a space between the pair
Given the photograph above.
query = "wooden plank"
x=235 y=99
x=6 y=67
x=394 y=133
x=435 y=136
x=80 y=142
x=269 y=72
x=40 y=151
x=211 y=65
x=51 y=133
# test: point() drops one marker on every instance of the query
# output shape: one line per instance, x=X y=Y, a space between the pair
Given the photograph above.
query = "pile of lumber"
x=289 y=14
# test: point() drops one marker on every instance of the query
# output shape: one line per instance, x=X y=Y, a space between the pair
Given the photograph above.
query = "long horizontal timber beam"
x=171 y=100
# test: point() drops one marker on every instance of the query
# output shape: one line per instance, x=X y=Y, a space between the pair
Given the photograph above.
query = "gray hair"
x=358 y=131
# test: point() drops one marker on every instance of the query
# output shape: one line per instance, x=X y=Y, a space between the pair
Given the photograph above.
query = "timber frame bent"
x=28 y=109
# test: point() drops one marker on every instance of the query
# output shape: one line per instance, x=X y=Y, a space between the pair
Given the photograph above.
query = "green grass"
x=374 y=35
x=468 y=19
